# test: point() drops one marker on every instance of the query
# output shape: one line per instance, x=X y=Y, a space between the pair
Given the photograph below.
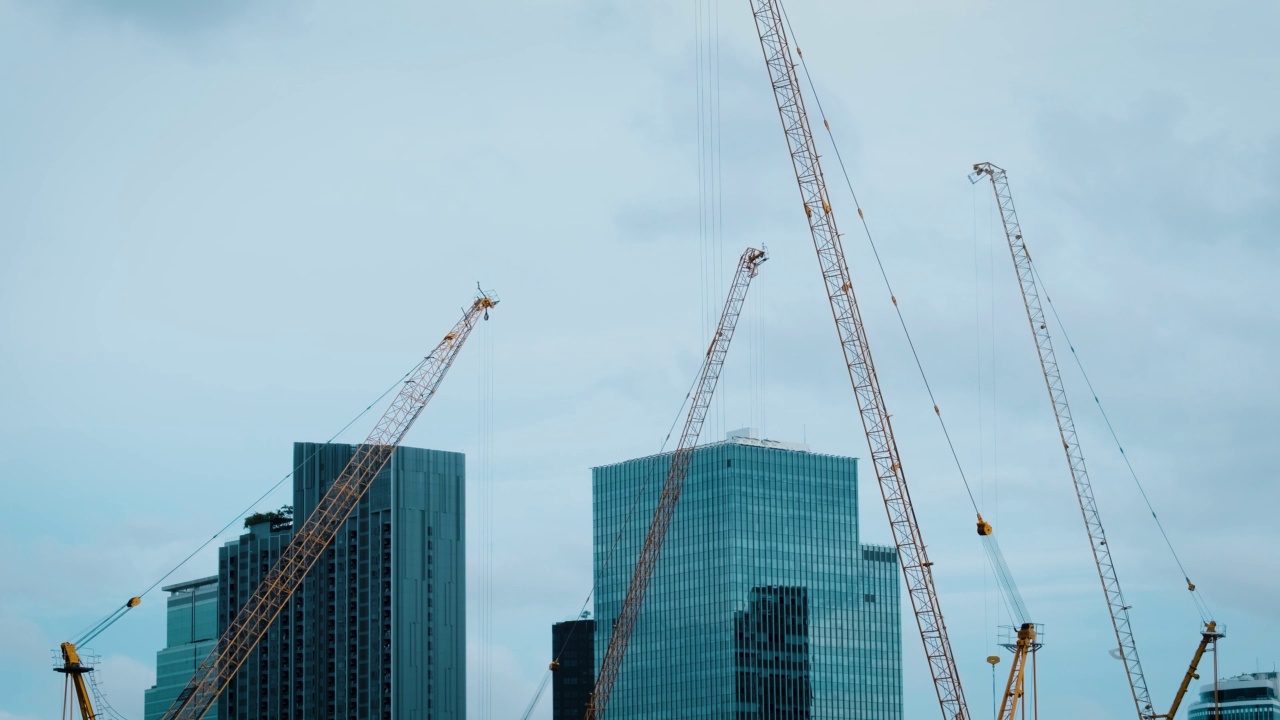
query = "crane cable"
x=93 y=631
x=1201 y=606
x=990 y=544
x=883 y=273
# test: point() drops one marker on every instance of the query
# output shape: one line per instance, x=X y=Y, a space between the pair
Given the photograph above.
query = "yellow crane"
x=1026 y=642
x=74 y=668
x=1075 y=460
x=916 y=566
x=315 y=533
x=704 y=390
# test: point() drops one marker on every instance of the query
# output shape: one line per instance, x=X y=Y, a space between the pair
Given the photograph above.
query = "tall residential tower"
x=377 y=629
x=764 y=604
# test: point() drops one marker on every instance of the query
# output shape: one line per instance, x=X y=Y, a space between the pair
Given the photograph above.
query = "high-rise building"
x=378 y=628
x=573 y=647
x=764 y=604
x=1251 y=696
x=192 y=628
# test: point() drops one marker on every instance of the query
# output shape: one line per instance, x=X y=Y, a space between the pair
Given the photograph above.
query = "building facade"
x=1251 y=696
x=378 y=628
x=191 y=631
x=764 y=604
x=573 y=648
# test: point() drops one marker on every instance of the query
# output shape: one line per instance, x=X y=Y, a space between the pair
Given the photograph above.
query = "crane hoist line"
x=916 y=566
x=1119 y=610
x=704 y=390
x=318 y=530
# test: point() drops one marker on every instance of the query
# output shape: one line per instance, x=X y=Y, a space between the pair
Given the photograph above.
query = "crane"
x=317 y=531
x=1026 y=643
x=1075 y=460
x=704 y=389
x=916 y=566
x=74 y=667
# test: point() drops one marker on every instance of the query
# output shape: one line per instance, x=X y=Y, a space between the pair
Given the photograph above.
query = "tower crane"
x=916 y=566
x=316 y=533
x=704 y=389
x=1075 y=460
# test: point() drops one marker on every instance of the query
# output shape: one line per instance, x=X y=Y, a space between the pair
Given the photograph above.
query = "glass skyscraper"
x=192 y=628
x=377 y=629
x=764 y=604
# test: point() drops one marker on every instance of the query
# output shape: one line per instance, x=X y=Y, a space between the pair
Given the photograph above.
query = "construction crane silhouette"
x=916 y=566
x=1127 y=648
x=317 y=531
x=704 y=390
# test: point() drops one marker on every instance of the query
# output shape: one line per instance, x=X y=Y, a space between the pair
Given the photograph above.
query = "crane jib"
x=315 y=533
x=916 y=566
x=642 y=574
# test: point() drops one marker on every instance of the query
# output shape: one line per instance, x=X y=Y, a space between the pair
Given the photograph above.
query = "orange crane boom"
x=317 y=531
x=916 y=567
x=703 y=391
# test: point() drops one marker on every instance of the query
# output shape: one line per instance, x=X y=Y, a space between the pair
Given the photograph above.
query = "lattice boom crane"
x=916 y=566
x=703 y=391
x=316 y=533
x=1075 y=460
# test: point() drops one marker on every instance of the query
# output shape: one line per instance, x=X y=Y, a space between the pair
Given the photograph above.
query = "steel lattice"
x=844 y=307
x=314 y=535
x=708 y=377
x=1070 y=443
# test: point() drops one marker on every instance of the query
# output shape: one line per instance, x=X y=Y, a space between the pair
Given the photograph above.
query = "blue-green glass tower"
x=764 y=604
x=192 y=628
x=378 y=629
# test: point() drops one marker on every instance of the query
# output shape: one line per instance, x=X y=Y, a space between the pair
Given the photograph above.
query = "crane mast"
x=316 y=533
x=703 y=391
x=1070 y=442
x=916 y=566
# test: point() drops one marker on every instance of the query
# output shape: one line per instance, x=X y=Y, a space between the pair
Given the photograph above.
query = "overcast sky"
x=228 y=226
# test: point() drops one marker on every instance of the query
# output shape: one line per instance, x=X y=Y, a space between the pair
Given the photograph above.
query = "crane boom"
x=703 y=391
x=316 y=533
x=1070 y=442
x=916 y=567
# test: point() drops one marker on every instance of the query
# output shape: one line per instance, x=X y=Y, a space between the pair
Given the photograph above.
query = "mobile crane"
x=704 y=389
x=316 y=533
x=916 y=566
x=1075 y=460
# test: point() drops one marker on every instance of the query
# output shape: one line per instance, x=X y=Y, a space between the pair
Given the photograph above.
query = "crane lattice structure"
x=316 y=533
x=916 y=567
x=1070 y=442
x=703 y=391
x=1119 y=610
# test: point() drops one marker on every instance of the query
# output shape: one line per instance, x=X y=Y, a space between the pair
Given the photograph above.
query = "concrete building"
x=378 y=628
x=1251 y=696
x=764 y=602
x=191 y=629
x=573 y=646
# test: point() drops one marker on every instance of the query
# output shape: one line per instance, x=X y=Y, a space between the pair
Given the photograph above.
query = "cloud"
x=174 y=18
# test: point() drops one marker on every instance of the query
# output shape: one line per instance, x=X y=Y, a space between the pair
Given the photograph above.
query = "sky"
x=226 y=227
